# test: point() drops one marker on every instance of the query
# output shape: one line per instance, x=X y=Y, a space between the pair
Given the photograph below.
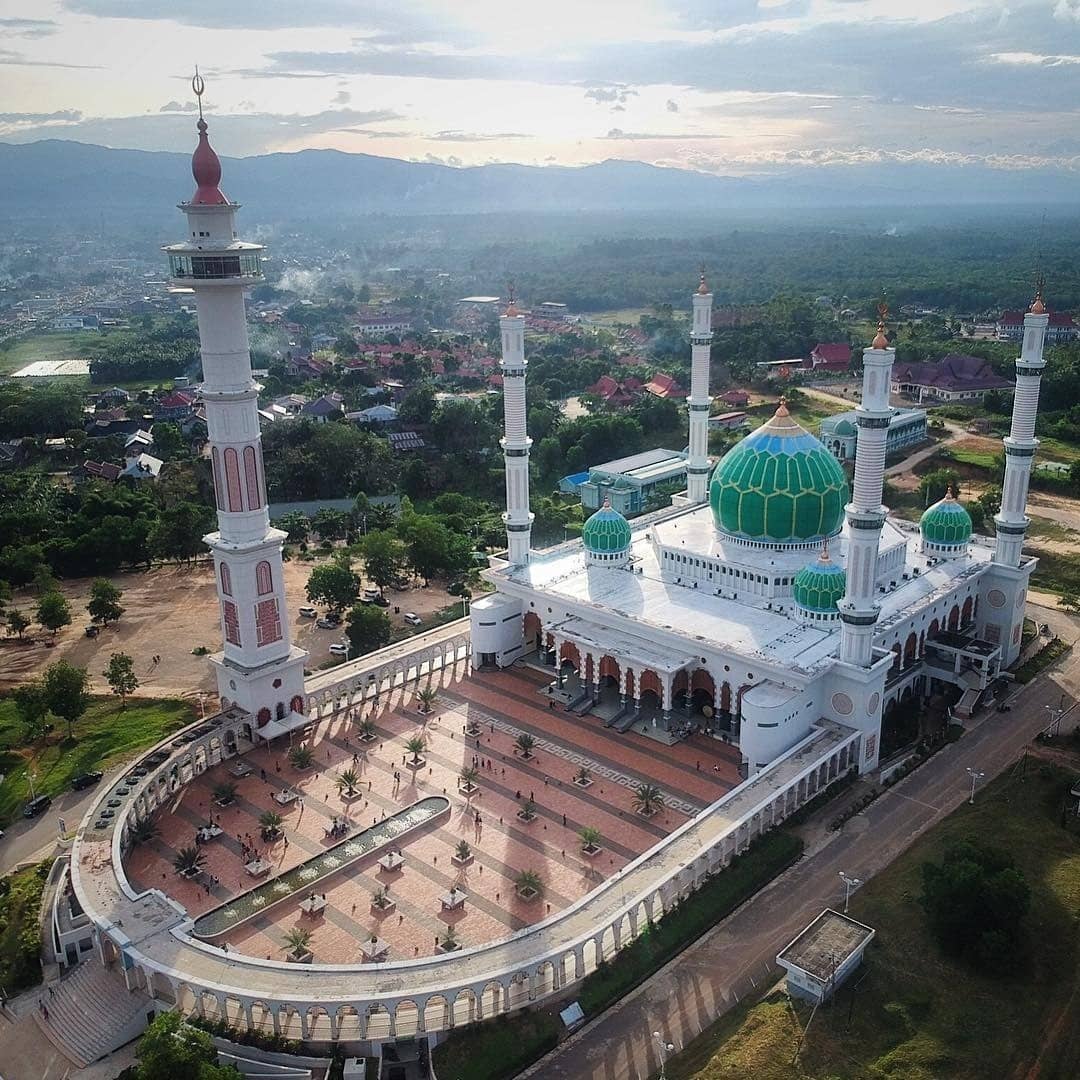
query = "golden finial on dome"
x=881 y=341
x=702 y=288
x=950 y=494
x=511 y=307
x=1038 y=306
x=824 y=556
x=781 y=408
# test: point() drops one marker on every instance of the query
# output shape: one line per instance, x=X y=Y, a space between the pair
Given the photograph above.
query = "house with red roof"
x=735 y=399
x=665 y=386
x=616 y=394
x=830 y=356
x=1060 y=328
x=955 y=377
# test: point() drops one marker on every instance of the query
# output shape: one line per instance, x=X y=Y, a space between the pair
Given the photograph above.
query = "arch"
x=251 y=478
x=681 y=682
x=609 y=667
x=933 y=629
x=219 y=483
x=226 y=579
x=954 y=617
x=703 y=680
x=264 y=578
x=297 y=704
x=231 y=618
x=649 y=680
x=465 y=1008
x=279 y=710
x=911 y=648
x=518 y=991
x=436 y=1013
x=263 y=717
x=532 y=628
x=725 y=697
x=965 y=612
x=896 y=656
x=232 y=481
x=569 y=654
x=407 y=1017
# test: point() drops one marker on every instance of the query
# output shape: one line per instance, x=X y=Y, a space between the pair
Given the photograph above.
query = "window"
x=226 y=580
x=232 y=622
x=264 y=579
x=251 y=478
x=218 y=485
x=232 y=481
x=267 y=622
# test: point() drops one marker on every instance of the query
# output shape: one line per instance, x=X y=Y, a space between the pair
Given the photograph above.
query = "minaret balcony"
x=242 y=267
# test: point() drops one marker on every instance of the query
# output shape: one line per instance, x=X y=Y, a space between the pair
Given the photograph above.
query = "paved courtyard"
x=690 y=774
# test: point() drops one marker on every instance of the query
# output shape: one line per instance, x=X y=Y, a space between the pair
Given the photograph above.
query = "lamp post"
x=202 y=704
x=1055 y=720
x=665 y=1049
x=850 y=885
x=30 y=779
x=975 y=778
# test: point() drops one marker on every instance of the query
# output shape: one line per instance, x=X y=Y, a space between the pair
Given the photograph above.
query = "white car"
x=412 y=618
x=339 y=648
x=308 y=612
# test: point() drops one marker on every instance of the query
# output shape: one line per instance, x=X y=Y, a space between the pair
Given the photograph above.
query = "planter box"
x=648 y=813
x=368 y=738
x=528 y=894
x=528 y=819
x=472 y=730
x=587 y=782
x=222 y=803
x=458 y=861
x=468 y=790
x=591 y=852
x=524 y=757
x=441 y=948
x=387 y=909
x=410 y=764
x=300 y=958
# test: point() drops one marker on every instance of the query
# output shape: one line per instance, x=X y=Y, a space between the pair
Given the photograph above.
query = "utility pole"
x=975 y=778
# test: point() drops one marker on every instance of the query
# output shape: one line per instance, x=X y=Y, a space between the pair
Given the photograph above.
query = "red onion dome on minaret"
x=205 y=165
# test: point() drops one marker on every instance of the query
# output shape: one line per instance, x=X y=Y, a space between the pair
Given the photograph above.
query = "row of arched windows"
x=230 y=489
x=267 y=614
x=264 y=579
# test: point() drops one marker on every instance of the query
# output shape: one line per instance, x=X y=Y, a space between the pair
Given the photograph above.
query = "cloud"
x=471 y=136
x=1027 y=58
x=63 y=116
x=28 y=28
x=671 y=106
x=639 y=136
x=10 y=58
x=608 y=94
x=178 y=107
x=342 y=97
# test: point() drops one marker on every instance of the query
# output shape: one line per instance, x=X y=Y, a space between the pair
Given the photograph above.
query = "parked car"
x=36 y=806
x=85 y=780
x=369 y=596
x=308 y=612
x=339 y=648
x=328 y=622
x=412 y=618
x=92 y=631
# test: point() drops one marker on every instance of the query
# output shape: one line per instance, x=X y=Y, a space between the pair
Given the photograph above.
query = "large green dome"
x=819 y=585
x=779 y=485
x=946 y=522
x=606 y=532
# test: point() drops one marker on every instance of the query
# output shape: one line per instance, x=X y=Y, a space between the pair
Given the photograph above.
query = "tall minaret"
x=1011 y=521
x=865 y=514
x=258 y=669
x=697 y=466
x=516 y=442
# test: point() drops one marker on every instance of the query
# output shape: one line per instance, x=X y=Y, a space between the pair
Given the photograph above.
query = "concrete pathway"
x=737 y=957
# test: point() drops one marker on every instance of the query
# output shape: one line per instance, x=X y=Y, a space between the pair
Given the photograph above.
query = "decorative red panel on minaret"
x=232 y=622
x=267 y=622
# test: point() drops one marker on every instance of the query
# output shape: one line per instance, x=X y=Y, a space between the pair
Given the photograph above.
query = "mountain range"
x=78 y=181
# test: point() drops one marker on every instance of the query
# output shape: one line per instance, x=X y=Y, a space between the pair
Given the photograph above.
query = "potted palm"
x=528 y=885
x=449 y=941
x=270 y=825
x=348 y=783
x=381 y=903
x=472 y=728
x=523 y=745
x=648 y=798
x=366 y=730
x=142 y=830
x=462 y=854
x=415 y=746
x=301 y=757
x=297 y=946
x=467 y=781
x=224 y=793
x=189 y=862
x=528 y=812
x=427 y=698
x=583 y=778
x=590 y=841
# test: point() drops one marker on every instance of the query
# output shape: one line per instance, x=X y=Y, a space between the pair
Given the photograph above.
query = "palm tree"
x=583 y=776
x=416 y=747
x=143 y=830
x=348 y=783
x=428 y=696
x=467 y=778
x=366 y=730
x=270 y=823
x=463 y=852
x=648 y=799
x=449 y=940
x=590 y=840
x=188 y=861
x=380 y=897
x=224 y=793
x=524 y=744
x=301 y=757
x=297 y=940
x=529 y=884
x=528 y=811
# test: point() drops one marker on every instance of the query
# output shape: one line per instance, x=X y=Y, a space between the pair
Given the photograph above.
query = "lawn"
x=1056 y=572
x=917 y=1014
x=104 y=736
x=20 y=927
x=59 y=346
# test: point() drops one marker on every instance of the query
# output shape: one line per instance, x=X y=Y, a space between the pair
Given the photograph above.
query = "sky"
x=733 y=87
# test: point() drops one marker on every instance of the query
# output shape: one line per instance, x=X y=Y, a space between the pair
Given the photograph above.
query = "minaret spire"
x=516 y=442
x=697 y=465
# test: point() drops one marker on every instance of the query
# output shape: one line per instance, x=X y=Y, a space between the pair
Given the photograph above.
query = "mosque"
x=769 y=598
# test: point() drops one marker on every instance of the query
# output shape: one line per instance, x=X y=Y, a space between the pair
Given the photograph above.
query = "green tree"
x=65 y=689
x=418 y=405
x=120 y=675
x=368 y=628
x=415 y=746
x=53 y=611
x=296 y=525
x=975 y=901
x=172 y=1048
x=169 y=442
x=348 y=783
x=330 y=524
x=933 y=485
x=647 y=799
x=179 y=531
x=104 y=606
x=32 y=708
x=334 y=584
x=384 y=558
x=17 y=622
x=433 y=550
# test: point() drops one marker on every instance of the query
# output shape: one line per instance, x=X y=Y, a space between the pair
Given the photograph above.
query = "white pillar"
x=697 y=465
x=1020 y=444
x=515 y=442
x=865 y=514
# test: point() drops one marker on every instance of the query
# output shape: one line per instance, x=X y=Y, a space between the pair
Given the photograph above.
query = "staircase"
x=92 y=1013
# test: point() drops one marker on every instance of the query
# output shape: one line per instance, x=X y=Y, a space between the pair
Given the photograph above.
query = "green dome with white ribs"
x=946 y=522
x=819 y=585
x=606 y=532
x=779 y=485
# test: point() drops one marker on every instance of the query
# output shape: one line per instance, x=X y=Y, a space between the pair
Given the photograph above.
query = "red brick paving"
x=504 y=847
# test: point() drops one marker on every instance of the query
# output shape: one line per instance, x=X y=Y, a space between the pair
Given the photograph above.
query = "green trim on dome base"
x=779 y=485
x=947 y=522
x=606 y=532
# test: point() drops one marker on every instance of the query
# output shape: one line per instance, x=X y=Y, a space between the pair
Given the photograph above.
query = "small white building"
x=824 y=955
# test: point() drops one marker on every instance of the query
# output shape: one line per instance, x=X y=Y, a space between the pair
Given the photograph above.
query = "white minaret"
x=865 y=514
x=258 y=669
x=515 y=442
x=697 y=465
x=1020 y=444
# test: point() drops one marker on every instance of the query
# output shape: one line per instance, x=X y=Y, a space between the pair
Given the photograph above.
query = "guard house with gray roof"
x=824 y=955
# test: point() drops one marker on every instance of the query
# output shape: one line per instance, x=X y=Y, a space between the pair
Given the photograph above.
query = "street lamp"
x=30 y=778
x=202 y=704
x=975 y=778
x=665 y=1049
x=850 y=885
x=1055 y=720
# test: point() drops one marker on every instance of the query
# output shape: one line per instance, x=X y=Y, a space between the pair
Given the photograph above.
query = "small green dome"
x=779 y=485
x=946 y=522
x=606 y=532
x=819 y=585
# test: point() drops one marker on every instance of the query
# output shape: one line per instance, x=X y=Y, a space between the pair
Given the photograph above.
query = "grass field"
x=58 y=346
x=1044 y=529
x=104 y=736
x=1056 y=572
x=917 y=1015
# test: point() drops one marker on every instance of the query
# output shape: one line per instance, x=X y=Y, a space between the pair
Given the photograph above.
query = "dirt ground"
x=168 y=611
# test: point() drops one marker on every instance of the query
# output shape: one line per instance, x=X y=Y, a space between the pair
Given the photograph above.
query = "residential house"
x=376 y=414
x=111 y=398
x=665 y=386
x=327 y=407
x=830 y=356
x=729 y=421
x=143 y=467
x=735 y=399
x=96 y=470
x=138 y=442
x=616 y=394
x=175 y=406
x=956 y=377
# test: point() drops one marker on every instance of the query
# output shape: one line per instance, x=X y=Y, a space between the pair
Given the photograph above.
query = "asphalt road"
x=737 y=958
